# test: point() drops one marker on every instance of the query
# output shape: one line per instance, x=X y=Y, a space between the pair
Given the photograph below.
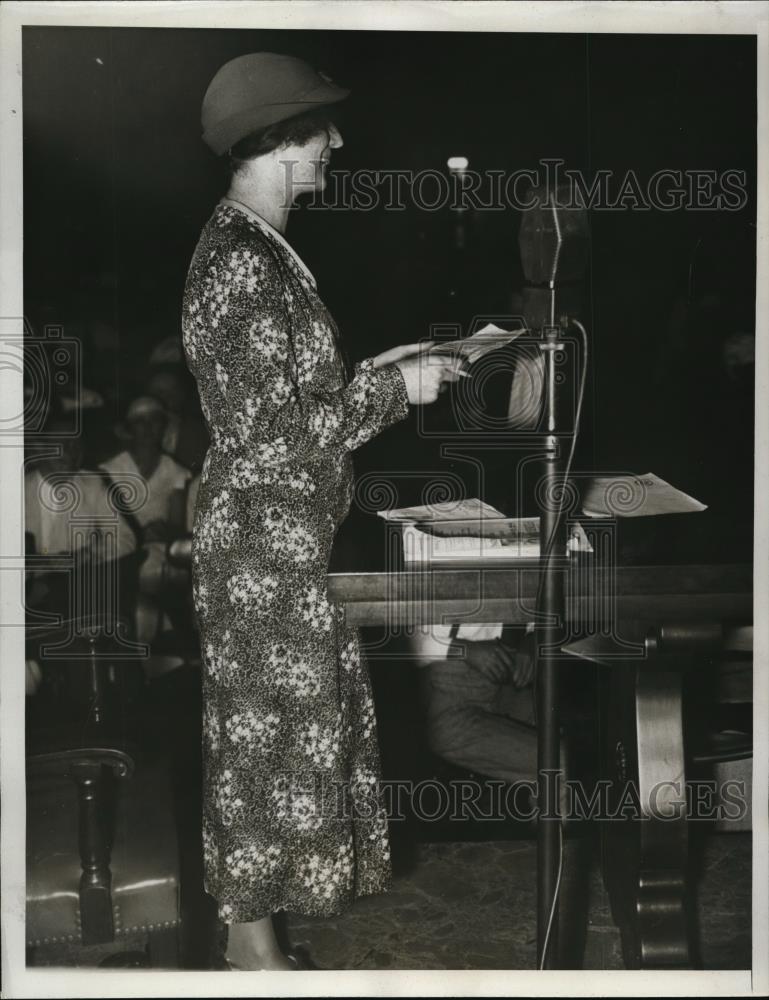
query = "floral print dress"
x=293 y=813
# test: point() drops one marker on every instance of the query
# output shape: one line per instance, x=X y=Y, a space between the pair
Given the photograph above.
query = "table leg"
x=645 y=857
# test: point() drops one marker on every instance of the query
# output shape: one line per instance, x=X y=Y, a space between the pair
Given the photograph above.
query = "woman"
x=289 y=717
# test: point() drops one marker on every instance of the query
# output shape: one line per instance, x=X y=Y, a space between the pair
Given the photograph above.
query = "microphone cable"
x=556 y=894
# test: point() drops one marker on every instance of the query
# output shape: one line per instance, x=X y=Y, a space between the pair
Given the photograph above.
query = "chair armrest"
x=77 y=761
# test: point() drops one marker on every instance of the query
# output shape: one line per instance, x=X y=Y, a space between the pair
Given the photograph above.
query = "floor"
x=464 y=895
x=472 y=906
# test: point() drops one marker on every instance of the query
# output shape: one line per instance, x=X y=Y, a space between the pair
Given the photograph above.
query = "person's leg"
x=482 y=741
x=518 y=703
x=481 y=726
x=255 y=946
x=464 y=728
x=453 y=684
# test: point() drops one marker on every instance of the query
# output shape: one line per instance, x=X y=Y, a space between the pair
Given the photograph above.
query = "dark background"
x=118 y=185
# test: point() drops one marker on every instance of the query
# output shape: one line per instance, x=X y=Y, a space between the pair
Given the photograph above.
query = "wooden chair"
x=101 y=852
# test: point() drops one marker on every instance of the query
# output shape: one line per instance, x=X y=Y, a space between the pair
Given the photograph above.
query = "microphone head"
x=554 y=238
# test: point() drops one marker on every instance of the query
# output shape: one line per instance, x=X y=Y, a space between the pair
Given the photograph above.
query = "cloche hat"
x=260 y=89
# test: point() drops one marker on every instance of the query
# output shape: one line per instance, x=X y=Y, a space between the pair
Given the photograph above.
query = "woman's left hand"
x=401 y=353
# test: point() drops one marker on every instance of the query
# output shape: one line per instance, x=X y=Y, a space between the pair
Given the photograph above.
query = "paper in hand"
x=489 y=338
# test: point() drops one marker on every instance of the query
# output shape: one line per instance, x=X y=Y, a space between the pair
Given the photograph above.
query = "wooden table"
x=647 y=623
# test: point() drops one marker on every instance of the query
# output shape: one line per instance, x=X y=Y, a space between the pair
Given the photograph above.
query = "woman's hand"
x=426 y=376
x=401 y=353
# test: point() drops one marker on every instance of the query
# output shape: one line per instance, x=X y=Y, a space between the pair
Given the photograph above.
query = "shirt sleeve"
x=180 y=475
x=106 y=515
x=429 y=644
x=267 y=391
x=472 y=632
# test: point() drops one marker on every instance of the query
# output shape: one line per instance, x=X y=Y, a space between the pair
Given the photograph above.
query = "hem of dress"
x=302 y=910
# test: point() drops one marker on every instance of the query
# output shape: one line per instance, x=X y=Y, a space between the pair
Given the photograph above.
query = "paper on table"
x=420 y=546
x=524 y=528
x=636 y=496
x=469 y=508
x=489 y=338
x=518 y=539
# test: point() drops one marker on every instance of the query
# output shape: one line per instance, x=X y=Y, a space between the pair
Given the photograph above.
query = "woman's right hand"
x=425 y=375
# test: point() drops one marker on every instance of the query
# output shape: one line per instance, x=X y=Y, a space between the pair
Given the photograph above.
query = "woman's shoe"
x=300 y=960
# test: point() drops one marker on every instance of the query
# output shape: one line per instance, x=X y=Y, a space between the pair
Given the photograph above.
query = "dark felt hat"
x=257 y=90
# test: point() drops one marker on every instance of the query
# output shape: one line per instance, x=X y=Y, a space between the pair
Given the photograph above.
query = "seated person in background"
x=68 y=507
x=477 y=692
x=168 y=351
x=160 y=504
x=185 y=437
x=70 y=510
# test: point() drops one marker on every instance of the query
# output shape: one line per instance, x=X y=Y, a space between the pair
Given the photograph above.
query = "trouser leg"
x=490 y=744
x=468 y=723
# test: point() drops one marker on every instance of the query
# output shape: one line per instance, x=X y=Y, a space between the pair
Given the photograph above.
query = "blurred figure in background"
x=700 y=429
x=168 y=351
x=71 y=510
x=158 y=483
x=185 y=438
x=60 y=494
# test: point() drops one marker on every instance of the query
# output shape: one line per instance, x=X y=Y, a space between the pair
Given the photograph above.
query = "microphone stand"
x=550 y=613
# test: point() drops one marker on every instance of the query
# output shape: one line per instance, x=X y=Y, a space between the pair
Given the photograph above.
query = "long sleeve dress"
x=294 y=814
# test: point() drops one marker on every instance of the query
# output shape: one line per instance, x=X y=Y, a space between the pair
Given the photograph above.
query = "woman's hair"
x=290 y=132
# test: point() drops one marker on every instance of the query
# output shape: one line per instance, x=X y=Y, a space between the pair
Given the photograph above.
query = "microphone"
x=554 y=243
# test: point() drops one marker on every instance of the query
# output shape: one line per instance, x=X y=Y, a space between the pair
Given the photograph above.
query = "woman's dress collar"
x=272 y=231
